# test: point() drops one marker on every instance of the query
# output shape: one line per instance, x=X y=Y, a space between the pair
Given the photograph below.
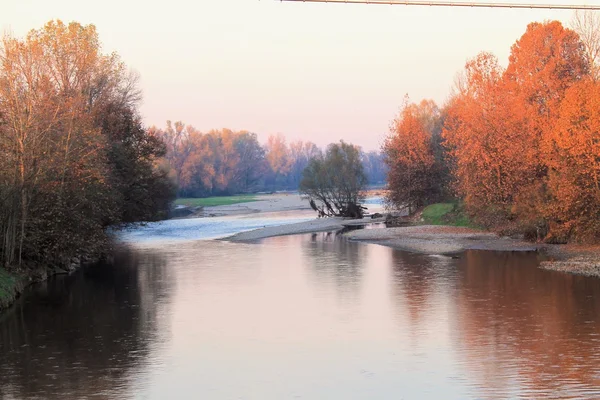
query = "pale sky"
x=319 y=72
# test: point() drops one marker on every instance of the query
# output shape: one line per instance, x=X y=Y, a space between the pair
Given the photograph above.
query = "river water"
x=307 y=316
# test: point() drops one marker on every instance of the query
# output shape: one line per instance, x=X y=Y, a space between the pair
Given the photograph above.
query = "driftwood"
x=350 y=210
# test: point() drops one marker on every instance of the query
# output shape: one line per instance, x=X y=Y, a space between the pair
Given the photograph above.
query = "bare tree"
x=587 y=25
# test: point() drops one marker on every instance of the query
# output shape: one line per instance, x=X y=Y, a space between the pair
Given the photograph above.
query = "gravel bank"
x=577 y=265
x=265 y=203
x=433 y=239
x=429 y=239
x=277 y=202
x=316 y=225
x=426 y=239
x=575 y=259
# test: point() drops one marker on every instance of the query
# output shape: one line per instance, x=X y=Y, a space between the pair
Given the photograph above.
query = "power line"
x=459 y=4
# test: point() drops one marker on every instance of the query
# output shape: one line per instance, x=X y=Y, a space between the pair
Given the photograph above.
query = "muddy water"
x=308 y=316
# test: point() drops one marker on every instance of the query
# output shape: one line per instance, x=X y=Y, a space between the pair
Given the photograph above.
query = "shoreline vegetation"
x=517 y=145
x=10 y=287
x=75 y=157
x=14 y=282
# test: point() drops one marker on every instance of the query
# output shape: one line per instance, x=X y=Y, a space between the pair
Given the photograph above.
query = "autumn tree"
x=47 y=90
x=573 y=210
x=488 y=138
x=278 y=157
x=251 y=165
x=414 y=158
x=500 y=127
x=62 y=106
x=213 y=163
x=177 y=138
x=193 y=160
x=544 y=63
x=334 y=181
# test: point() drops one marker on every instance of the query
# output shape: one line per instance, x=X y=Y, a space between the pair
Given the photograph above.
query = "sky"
x=318 y=72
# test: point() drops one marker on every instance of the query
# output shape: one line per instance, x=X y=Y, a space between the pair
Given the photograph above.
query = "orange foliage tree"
x=415 y=173
x=544 y=63
x=574 y=165
x=488 y=139
x=501 y=130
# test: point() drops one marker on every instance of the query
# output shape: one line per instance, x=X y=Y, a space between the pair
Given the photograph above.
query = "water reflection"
x=333 y=259
x=309 y=316
x=82 y=335
x=525 y=331
x=420 y=286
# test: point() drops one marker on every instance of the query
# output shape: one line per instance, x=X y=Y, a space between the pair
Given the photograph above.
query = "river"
x=306 y=316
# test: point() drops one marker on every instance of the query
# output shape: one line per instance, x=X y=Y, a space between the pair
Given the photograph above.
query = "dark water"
x=310 y=317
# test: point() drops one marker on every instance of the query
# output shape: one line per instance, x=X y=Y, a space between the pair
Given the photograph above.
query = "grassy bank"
x=451 y=214
x=9 y=288
x=215 y=201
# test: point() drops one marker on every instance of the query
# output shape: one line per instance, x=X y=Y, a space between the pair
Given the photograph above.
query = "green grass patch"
x=446 y=214
x=215 y=201
x=435 y=213
x=7 y=287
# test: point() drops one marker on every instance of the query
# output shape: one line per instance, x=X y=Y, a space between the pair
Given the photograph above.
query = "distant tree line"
x=74 y=155
x=518 y=146
x=224 y=162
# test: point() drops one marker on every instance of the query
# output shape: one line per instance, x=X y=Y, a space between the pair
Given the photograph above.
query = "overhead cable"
x=460 y=4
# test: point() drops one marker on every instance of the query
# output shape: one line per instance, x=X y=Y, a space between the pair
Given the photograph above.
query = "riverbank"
x=12 y=284
x=277 y=202
x=574 y=259
x=449 y=240
x=312 y=226
x=439 y=239
x=424 y=239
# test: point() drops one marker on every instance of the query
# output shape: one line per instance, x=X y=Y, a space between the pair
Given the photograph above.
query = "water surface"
x=309 y=316
x=203 y=228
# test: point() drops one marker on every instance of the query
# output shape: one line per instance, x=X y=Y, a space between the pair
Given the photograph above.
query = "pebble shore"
x=434 y=239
